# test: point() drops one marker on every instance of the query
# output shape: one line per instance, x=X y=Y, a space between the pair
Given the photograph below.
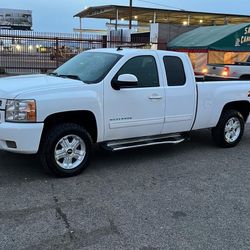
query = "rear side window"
x=144 y=68
x=174 y=70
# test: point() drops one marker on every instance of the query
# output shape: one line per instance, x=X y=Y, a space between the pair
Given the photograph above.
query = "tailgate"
x=215 y=69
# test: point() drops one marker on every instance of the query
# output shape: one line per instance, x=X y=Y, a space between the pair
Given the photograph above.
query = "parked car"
x=238 y=70
x=119 y=98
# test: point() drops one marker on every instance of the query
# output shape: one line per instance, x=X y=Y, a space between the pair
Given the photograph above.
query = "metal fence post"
x=104 y=41
x=121 y=37
x=57 y=52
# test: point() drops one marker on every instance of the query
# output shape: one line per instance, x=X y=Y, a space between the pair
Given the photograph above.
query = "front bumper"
x=26 y=137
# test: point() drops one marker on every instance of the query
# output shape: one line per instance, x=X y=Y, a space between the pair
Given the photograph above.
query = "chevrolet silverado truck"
x=238 y=70
x=120 y=99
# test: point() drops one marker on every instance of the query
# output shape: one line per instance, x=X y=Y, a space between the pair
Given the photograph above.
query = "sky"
x=57 y=15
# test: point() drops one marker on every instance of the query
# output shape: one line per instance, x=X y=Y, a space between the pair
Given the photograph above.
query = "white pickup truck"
x=238 y=70
x=119 y=98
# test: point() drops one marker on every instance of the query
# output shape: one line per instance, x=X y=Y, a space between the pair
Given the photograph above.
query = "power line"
x=162 y=5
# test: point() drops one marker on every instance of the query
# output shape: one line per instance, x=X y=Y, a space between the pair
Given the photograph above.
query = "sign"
x=244 y=39
x=15 y=19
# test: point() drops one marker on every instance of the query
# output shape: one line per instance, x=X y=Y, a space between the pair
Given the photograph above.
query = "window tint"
x=175 y=71
x=144 y=68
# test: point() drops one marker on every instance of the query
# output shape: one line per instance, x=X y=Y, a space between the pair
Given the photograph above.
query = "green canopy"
x=233 y=38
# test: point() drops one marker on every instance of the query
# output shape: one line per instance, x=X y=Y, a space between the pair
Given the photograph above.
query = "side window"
x=144 y=68
x=175 y=71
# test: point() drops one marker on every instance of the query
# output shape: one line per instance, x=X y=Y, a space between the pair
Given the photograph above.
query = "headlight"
x=20 y=111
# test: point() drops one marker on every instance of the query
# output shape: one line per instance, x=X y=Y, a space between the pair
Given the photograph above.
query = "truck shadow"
x=19 y=168
x=200 y=140
x=28 y=167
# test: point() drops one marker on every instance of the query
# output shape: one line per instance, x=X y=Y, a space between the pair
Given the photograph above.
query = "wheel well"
x=245 y=77
x=242 y=106
x=82 y=118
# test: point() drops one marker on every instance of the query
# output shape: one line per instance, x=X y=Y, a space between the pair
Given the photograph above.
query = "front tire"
x=229 y=130
x=65 y=150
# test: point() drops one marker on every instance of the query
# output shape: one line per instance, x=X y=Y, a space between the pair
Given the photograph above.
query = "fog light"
x=11 y=144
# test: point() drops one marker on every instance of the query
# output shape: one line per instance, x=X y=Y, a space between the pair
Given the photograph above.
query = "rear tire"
x=65 y=150
x=229 y=130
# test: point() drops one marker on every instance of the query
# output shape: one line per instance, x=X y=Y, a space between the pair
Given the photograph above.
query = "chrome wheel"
x=232 y=130
x=70 y=152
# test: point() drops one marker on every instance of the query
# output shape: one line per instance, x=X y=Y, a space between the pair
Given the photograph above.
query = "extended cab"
x=119 y=98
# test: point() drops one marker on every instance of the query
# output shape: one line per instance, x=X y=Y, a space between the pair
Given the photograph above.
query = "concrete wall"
x=162 y=34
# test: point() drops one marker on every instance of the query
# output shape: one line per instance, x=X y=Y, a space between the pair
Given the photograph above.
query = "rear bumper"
x=25 y=137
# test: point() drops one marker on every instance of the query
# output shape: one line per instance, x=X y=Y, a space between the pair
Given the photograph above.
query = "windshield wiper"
x=53 y=74
x=75 y=77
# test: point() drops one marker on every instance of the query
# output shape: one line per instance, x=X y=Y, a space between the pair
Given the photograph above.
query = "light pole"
x=130 y=13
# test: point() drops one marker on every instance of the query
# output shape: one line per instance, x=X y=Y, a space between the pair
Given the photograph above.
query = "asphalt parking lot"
x=189 y=196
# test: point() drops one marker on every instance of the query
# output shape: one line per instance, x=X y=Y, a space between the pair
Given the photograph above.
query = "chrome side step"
x=143 y=142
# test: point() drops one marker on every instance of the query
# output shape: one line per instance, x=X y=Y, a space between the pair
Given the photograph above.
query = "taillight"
x=226 y=71
x=204 y=71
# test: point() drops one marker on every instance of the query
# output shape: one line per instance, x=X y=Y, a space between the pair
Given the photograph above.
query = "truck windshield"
x=89 y=67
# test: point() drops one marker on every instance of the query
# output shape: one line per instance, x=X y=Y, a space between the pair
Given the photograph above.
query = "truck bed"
x=212 y=78
x=212 y=97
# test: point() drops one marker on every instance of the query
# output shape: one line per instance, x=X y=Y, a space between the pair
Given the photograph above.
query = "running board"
x=143 y=142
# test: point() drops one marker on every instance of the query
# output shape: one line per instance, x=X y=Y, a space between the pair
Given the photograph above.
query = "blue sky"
x=57 y=15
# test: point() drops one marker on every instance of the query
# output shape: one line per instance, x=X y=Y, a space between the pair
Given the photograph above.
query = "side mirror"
x=125 y=81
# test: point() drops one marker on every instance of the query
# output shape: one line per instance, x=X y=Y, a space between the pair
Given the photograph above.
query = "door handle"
x=155 y=97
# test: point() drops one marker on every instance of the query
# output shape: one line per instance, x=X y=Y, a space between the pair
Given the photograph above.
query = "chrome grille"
x=1 y=116
x=2 y=108
x=2 y=104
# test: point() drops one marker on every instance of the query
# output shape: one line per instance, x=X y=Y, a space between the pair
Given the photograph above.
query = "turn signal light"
x=226 y=72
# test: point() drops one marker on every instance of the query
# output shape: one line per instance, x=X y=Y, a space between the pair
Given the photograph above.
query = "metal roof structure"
x=149 y=15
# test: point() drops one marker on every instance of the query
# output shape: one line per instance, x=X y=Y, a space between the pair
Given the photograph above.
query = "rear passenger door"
x=180 y=94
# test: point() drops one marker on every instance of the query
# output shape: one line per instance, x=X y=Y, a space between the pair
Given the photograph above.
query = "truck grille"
x=1 y=116
x=2 y=104
x=2 y=108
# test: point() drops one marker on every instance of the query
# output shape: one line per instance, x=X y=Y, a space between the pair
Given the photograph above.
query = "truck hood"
x=10 y=87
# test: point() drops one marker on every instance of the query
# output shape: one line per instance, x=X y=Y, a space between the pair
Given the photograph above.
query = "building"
x=146 y=16
x=163 y=25
x=13 y=19
x=206 y=37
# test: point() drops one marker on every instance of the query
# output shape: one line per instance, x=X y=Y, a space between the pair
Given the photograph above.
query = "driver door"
x=138 y=110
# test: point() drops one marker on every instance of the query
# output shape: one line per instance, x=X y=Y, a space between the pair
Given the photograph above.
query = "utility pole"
x=130 y=13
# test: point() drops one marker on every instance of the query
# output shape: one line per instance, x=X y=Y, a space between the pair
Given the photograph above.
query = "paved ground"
x=189 y=196
x=27 y=60
x=24 y=63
